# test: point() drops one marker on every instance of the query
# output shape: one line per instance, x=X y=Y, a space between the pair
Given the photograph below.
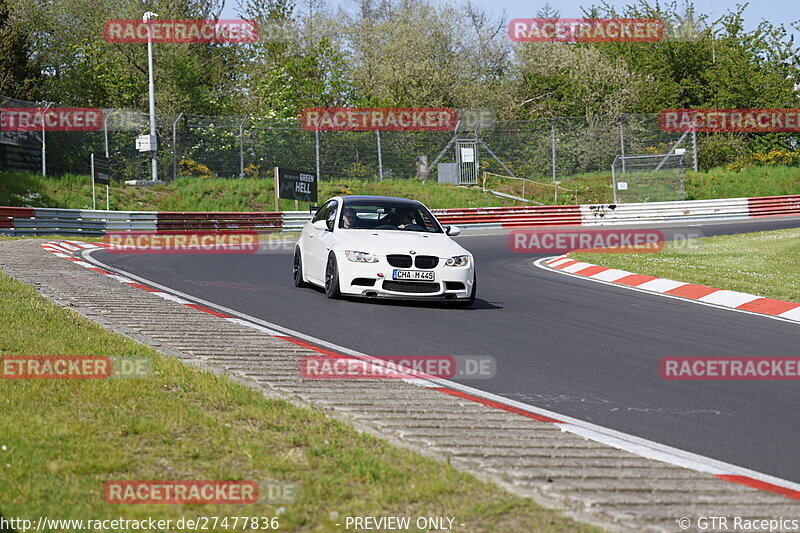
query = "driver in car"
x=406 y=217
x=349 y=218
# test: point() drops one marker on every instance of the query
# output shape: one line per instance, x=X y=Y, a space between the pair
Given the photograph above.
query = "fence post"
x=622 y=141
x=44 y=141
x=553 y=155
x=683 y=190
x=380 y=158
x=319 y=177
x=105 y=131
x=694 y=150
x=174 y=147
x=241 y=147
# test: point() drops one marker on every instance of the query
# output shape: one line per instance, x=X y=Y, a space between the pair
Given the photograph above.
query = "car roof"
x=348 y=200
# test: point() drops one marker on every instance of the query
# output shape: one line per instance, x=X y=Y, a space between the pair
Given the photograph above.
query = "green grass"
x=595 y=187
x=765 y=263
x=217 y=194
x=752 y=181
x=61 y=440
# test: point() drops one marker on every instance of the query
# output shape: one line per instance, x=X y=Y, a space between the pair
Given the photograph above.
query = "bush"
x=252 y=171
x=719 y=150
x=187 y=167
x=771 y=158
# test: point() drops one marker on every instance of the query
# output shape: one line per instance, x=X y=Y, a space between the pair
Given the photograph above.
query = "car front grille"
x=426 y=261
x=417 y=287
x=399 y=261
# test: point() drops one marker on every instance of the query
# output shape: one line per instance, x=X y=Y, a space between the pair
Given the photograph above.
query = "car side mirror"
x=321 y=225
x=452 y=230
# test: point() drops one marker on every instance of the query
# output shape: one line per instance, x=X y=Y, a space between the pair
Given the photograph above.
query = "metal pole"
x=614 y=179
x=44 y=141
x=380 y=158
x=277 y=193
x=553 y=154
x=241 y=147
x=622 y=143
x=683 y=190
x=319 y=176
x=107 y=202
x=105 y=131
x=153 y=154
x=44 y=152
x=175 y=147
x=94 y=202
x=694 y=150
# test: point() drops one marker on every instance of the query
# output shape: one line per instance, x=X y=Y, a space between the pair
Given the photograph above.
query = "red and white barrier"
x=38 y=221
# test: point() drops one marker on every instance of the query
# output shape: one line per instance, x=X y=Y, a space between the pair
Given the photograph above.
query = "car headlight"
x=457 y=261
x=360 y=257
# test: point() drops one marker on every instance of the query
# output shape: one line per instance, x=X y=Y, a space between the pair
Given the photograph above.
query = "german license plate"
x=413 y=275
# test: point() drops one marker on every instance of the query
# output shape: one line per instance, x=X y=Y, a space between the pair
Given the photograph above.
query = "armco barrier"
x=8 y=214
x=38 y=221
x=180 y=221
x=511 y=217
x=774 y=206
x=664 y=212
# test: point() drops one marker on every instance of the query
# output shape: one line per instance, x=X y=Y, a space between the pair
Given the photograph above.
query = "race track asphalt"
x=580 y=348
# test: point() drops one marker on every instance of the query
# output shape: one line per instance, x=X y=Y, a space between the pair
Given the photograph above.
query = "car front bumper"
x=450 y=283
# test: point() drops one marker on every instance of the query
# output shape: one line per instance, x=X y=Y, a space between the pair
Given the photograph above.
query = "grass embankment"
x=765 y=263
x=595 y=187
x=217 y=194
x=61 y=440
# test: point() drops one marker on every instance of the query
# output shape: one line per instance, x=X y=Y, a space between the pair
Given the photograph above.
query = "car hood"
x=382 y=242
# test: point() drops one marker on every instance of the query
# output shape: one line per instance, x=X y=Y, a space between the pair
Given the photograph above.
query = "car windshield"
x=388 y=216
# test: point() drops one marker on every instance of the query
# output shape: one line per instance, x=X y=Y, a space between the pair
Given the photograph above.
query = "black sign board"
x=297 y=185
x=101 y=171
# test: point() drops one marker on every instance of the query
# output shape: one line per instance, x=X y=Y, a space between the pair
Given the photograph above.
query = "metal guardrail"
x=665 y=212
x=770 y=206
x=43 y=221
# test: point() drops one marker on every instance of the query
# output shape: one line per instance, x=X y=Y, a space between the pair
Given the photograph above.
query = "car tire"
x=297 y=269
x=332 y=278
x=467 y=302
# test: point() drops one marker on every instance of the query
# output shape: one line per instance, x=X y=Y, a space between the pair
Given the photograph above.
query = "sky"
x=775 y=11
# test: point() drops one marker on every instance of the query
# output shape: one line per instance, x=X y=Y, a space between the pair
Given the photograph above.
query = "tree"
x=18 y=72
x=548 y=12
x=78 y=66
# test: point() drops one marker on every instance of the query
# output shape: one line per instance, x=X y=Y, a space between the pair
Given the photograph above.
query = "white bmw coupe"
x=379 y=247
